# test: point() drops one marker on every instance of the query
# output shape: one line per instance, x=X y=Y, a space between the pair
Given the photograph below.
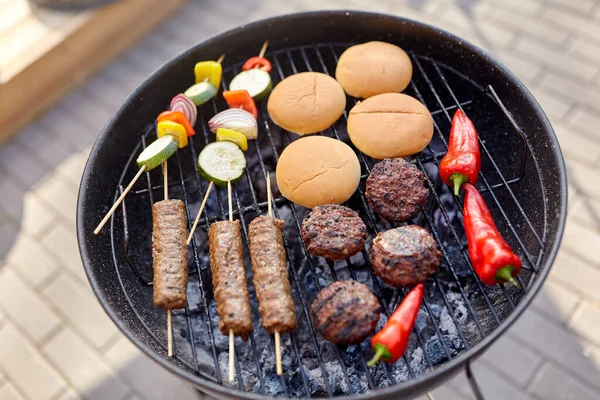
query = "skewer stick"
x=263 y=50
x=220 y=59
x=169 y=321
x=189 y=239
x=119 y=200
x=277 y=337
x=231 y=338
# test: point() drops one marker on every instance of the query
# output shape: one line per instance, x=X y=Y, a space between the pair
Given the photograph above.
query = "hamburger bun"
x=390 y=125
x=317 y=170
x=373 y=68
x=308 y=102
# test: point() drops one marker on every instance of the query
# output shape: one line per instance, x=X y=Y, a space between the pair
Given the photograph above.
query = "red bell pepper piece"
x=257 y=62
x=492 y=257
x=390 y=343
x=241 y=99
x=179 y=117
x=462 y=161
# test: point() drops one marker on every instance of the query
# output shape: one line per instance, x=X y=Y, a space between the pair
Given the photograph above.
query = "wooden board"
x=45 y=53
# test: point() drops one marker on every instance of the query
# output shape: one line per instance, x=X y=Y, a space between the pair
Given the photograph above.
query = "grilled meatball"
x=396 y=190
x=270 y=275
x=169 y=254
x=229 y=278
x=345 y=312
x=334 y=232
x=405 y=256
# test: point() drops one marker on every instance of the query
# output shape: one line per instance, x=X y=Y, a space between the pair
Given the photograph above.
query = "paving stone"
x=25 y=307
x=554 y=383
x=491 y=36
x=527 y=25
x=587 y=121
x=585 y=49
x=21 y=164
x=570 y=88
x=26 y=368
x=520 y=7
x=445 y=392
x=9 y=392
x=104 y=88
x=555 y=301
x=582 y=241
x=493 y=385
x=555 y=342
x=72 y=168
x=12 y=195
x=524 y=69
x=586 y=321
x=62 y=242
x=541 y=52
x=60 y=196
x=8 y=235
x=36 y=216
x=554 y=106
x=78 y=305
x=122 y=72
x=571 y=21
x=582 y=177
x=576 y=146
x=580 y=6
x=44 y=144
x=145 y=376
x=94 y=113
x=69 y=127
x=70 y=394
x=31 y=260
x=586 y=212
x=84 y=367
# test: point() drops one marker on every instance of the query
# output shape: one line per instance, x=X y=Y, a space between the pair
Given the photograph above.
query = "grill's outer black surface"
x=118 y=142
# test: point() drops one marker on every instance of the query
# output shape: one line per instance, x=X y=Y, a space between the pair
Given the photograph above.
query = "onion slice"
x=182 y=103
x=235 y=119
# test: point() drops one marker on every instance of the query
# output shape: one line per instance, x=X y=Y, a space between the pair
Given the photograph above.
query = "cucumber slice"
x=201 y=92
x=158 y=152
x=257 y=82
x=220 y=162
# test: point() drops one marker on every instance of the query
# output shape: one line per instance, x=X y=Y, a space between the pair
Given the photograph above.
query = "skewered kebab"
x=270 y=276
x=176 y=123
x=229 y=280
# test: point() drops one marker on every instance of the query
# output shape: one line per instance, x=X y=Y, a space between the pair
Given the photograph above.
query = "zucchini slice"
x=256 y=81
x=158 y=152
x=220 y=162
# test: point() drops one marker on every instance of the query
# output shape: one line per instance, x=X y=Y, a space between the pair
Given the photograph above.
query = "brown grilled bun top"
x=373 y=68
x=308 y=102
x=317 y=170
x=390 y=125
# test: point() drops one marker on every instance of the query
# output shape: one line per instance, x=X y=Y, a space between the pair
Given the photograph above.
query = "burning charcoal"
x=273 y=386
x=356 y=385
x=435 y=349
x=296 y=384
x=418 y=362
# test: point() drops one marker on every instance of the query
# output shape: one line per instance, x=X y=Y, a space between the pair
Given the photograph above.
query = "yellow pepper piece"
x=229 y=135
x=174 y=129
x=210 y=71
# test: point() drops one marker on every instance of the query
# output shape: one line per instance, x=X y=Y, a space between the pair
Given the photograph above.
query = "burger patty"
x=396 y=190
x=334 y=232
x=345 y=312
x=405 y=256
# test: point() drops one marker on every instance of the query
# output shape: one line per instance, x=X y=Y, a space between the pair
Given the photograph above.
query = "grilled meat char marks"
x=405 y=256
x=396 y=190
x=334 y=232
x=271 y=280
x=169 y=254
x=229 y=278
x=345 y=312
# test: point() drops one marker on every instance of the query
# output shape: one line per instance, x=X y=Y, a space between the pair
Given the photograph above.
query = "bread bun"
x=390 y=125
x=317 y=170
x=308 y=102
x=373 y=68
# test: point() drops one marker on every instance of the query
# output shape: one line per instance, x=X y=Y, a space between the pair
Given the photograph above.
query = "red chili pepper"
x=492 y=257
x=390 y=343
x=180 y=118
x=241 y=99
x=462 y=162
x=257 y=62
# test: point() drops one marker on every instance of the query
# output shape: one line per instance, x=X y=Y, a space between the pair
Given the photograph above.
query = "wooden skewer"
x=169 y=321
x=119 y=200
x=220 y=59
x=231 y=342
x=263 y=50
x=189 y=239
x=277 y=337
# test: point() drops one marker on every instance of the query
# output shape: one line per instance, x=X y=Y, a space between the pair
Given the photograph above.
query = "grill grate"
x=458 y=311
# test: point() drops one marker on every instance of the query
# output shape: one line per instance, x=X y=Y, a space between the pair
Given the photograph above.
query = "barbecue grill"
x=523 y=181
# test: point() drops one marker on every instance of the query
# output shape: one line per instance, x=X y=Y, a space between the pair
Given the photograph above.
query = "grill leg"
x=473 y=382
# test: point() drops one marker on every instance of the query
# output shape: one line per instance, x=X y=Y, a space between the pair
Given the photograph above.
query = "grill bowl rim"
x=419 y=385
